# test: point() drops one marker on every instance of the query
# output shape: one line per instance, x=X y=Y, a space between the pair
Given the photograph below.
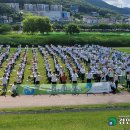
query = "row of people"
x=22 y=65
x=9 y=67
x=47 y=64
x=36 y=76
x=4 y=55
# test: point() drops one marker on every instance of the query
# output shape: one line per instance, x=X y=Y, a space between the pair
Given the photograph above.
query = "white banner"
x=102 y=87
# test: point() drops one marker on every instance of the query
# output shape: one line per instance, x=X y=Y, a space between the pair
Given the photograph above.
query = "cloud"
x=119 y=3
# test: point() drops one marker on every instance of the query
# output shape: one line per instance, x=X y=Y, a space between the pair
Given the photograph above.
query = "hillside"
x=84 y=6
x=104 y=5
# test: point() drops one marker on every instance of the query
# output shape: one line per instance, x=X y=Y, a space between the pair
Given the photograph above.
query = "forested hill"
x=85 y=6
x=102 y=4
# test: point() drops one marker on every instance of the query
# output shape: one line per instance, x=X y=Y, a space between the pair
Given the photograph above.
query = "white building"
x=30 y=7
x=13 y=5
x=104 y=21
x=90 y=20
x=42 y=7
x=56 y=7
x=55 y=12
x=53 y=15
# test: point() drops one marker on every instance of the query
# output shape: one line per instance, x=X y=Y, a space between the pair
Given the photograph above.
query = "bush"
x=72 y=28
x=5 y=28
x=16 y=27
x=62 y=39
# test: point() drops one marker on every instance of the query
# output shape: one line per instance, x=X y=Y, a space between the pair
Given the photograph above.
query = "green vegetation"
x=113 y=27
x=104 y=39
x=16 y=27
x=124 y=49
x=34 y=24
x=5 y=28
x=5 y=9
x=72 y=28
x=63 y=121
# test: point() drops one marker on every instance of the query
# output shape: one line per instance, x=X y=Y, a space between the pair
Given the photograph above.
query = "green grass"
x=72 y=107
x=101 y=38
x=124 y=49
x=63 y=121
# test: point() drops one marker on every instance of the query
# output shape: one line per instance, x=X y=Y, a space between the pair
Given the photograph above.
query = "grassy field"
x=63 y=121
x=101 y=38
x=124 y=49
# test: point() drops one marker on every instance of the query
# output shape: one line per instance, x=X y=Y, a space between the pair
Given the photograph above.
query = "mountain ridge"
x=85 y=6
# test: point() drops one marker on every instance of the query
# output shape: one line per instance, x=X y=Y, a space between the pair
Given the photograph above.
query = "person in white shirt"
x=54 y=78
x=74 y=77
x=54 y=82
x=111 y=75
x=122 y=76
x=49 y=76
x=82 y=71
x=74 y=80
x=14 y=90
x=113 y=87
x=89 y=77
x=116 y=79
x=4 y=82
x=128 y=80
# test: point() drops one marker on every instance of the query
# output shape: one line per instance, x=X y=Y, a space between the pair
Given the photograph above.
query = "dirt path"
x=62 y=100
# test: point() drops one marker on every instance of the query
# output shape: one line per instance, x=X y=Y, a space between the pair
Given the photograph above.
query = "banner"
x=102 y=87
x=80 y=88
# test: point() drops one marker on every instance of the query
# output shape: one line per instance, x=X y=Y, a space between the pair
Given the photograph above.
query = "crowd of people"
x=89 y=63
x=103 y=64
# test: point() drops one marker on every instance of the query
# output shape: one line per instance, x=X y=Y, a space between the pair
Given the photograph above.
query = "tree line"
x=36 y=24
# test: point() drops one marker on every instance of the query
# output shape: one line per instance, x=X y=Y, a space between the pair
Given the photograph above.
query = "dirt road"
x=62 y=100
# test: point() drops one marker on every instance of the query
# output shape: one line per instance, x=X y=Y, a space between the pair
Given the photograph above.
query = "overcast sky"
x=119 y=3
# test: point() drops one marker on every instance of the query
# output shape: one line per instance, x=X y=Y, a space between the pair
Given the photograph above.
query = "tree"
x=43 y=24
x=29 y=25
x=34 y=24
x=72 y=28
x=5 y=28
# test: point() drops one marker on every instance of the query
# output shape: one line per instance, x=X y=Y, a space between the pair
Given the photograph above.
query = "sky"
x=119 y=3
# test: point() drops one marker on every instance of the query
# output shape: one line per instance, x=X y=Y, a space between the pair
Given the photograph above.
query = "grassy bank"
x=73 y=107
x=63 y=121
x=105 y=39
